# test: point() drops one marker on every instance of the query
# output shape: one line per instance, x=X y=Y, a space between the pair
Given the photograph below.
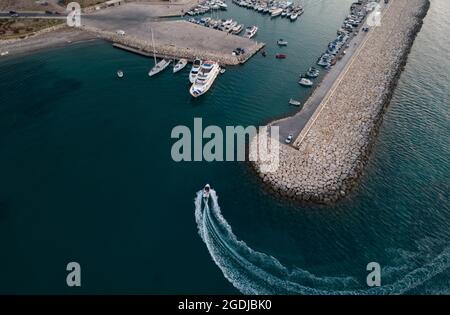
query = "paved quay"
x=173 y=38
x=332 y=144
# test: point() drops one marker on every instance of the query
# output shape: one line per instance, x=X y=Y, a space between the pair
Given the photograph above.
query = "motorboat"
x=293 y=16
x=160 y=66
x=276 y=12
x=205 y=78
x=250 y=31
x=194 y=70
x=305 y=82
x=282 y=42
x=280 y=56
x=180 y=65
x=312 y=73
x=294 y=102
x=206 y=192
x=4 y=53
x=237 y=29
x=120 y=73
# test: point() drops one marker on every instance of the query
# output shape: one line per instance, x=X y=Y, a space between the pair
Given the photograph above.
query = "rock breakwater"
x=330 y=153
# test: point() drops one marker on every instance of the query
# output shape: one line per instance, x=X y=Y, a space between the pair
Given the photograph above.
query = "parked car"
x=289 y=139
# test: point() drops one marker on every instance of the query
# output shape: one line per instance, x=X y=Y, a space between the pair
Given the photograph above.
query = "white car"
x=120 y=32
x=289 y=138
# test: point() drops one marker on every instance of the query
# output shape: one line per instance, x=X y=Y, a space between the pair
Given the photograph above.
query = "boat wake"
x=253 y=272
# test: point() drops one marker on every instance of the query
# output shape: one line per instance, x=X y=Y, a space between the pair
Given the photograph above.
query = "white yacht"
x=194 y=70
x=237 y=29
x=205 y=78
x=160 y=66
x=276 y=12
x=305 y=82
x=250 y=31
x=180 y=65
x=206 y=192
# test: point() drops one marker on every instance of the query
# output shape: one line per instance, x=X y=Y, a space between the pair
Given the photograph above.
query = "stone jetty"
x=328 y=156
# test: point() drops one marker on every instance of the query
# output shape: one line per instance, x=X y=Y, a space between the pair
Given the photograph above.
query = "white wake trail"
x=253 y=272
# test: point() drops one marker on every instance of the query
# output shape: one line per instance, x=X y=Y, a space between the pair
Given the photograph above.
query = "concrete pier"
x=173 y=38
x=331 y=149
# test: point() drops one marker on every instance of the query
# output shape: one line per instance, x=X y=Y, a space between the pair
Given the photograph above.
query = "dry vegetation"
x=19 y=28
x=27 y=5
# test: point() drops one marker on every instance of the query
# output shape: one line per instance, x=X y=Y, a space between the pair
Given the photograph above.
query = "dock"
x=332 y=146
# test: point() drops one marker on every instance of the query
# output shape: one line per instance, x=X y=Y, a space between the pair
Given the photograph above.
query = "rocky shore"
x=330 y=153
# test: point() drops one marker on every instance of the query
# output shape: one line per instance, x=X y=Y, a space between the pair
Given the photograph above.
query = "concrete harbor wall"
x=330 y=153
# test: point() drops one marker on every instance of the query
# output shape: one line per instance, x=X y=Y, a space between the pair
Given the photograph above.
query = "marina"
x=285 y=9
x=92 y=143
x=323 y=169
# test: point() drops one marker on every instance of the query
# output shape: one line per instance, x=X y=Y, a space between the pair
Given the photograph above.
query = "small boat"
x=180 y=65
x=160 y=66
x=282 y=42
x=293 y=17
x=250 y=31
x=4 y=53
x=312 y=73
x=276 y=12
x=237 y=29
x=194 y=70
x=263 y=53
x=280 y=56
x=222 y=70
x=206 y=192
x=120 y=73
x=305 y=82
x=294 y=102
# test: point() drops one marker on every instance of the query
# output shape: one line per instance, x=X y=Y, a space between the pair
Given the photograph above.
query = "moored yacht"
x=276 y=12
x=305 y=82
x=237 y=29
x=180 y=65
x=194 y=70
x=312 y=73
x=160 y=66
x=205 y=78
x=250 y=31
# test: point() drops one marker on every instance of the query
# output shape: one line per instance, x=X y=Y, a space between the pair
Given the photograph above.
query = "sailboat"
x=180 y=65
x=159 y=66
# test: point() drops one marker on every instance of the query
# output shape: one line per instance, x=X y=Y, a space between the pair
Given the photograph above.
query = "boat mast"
x=153 y=43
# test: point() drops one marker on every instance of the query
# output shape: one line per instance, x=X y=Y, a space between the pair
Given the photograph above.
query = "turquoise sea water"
x=86 y=175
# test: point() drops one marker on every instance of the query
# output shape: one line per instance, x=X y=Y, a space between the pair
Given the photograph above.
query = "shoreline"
x=329 y=157
x=61 y=36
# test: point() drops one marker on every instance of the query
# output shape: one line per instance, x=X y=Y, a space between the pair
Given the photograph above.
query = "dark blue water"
x=86 y=175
